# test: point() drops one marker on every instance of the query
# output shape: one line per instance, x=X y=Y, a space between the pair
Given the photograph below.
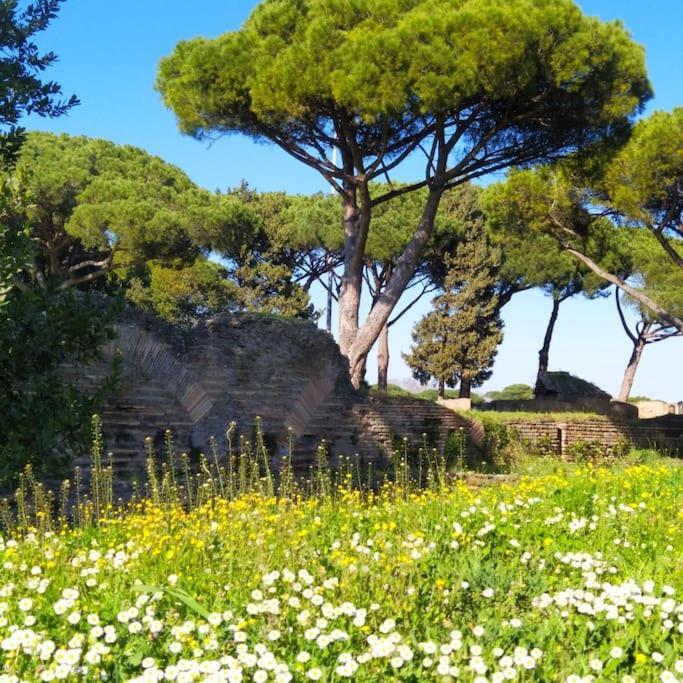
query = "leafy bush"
x=42 y=415
x=392 y=390
x=513 y=392
x=591 y=451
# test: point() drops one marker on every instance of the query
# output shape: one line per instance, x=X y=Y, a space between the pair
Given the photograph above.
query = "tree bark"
x=328 y=320
x=660 y=312
x=544 y=353
x=633 y=362
x=465 y=387
x=442 y=388
x=383 y=359
x=367 y=335
x=352 y=277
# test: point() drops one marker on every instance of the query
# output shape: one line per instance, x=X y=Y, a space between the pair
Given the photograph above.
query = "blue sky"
x=108 y=54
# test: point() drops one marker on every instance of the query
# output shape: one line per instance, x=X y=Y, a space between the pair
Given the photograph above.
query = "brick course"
x=665 y=433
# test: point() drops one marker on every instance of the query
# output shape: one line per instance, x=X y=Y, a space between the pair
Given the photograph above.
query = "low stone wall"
x=370 y=428
x=590 y=404
x=662 y=433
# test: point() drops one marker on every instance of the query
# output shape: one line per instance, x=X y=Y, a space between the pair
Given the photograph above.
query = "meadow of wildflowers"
x=570 y=576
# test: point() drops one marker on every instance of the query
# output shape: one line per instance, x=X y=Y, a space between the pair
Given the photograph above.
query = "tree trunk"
x=330 y=283
x=352 y=277
x=544 y=353
x=383 y=359
x=660 y=312
x=465 y=387
x=442 y=388
x=367 y=335
x=634 y=360
x=362 y=372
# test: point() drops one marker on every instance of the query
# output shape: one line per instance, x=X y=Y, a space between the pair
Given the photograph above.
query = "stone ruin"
x=557 y=392
x=563 y=386
x=289 y=373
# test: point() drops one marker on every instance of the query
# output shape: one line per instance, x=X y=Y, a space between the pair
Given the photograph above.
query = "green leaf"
x=177 y=594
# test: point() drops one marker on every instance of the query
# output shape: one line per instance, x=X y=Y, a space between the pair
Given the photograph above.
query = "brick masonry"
x=291 y=375
x=234 y=368
x=665 y=433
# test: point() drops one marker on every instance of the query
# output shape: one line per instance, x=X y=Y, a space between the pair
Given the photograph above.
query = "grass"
x=569 y=573
x=503 y=417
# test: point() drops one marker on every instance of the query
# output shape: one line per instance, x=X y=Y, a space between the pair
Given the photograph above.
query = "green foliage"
x=622 y=211
x=458 y=340
x=513 y=392
x=180 y=294
x=108 y=216
x=275 y=265
x=393 y=390
x=504 y=416
x=500 y=441
x=21 y=68
x=433 y=394
x=268 y=287
x=592 y=451
x=103 y=214
x=643 y=180
x=530 y=204
x=14 y=257
x=41 y=327
x=293 y=66
x=477 y=86
x=455 y=449
x=43 y=415
x=657 y=276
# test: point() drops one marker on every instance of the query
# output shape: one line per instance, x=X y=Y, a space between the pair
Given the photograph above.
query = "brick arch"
x=211 y=374
x=197 y=380
x=142 y=350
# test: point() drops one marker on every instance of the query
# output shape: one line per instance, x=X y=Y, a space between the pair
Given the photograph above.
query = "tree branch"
x=624 y=324
x=661 y=312
x=668 y=248
x=426 y=289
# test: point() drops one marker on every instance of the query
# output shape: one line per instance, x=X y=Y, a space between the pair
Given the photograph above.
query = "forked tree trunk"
x=383 y=359
x=544 y=353
x=633 y=362
x=367 y=335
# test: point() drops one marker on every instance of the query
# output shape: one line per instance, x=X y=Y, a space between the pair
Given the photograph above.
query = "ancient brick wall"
x=663 y=433
x=290 y=374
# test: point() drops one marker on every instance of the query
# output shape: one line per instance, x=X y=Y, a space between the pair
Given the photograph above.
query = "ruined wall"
x=291 y=375
x=288 y=373
x=664 y=433
x=588 y=404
